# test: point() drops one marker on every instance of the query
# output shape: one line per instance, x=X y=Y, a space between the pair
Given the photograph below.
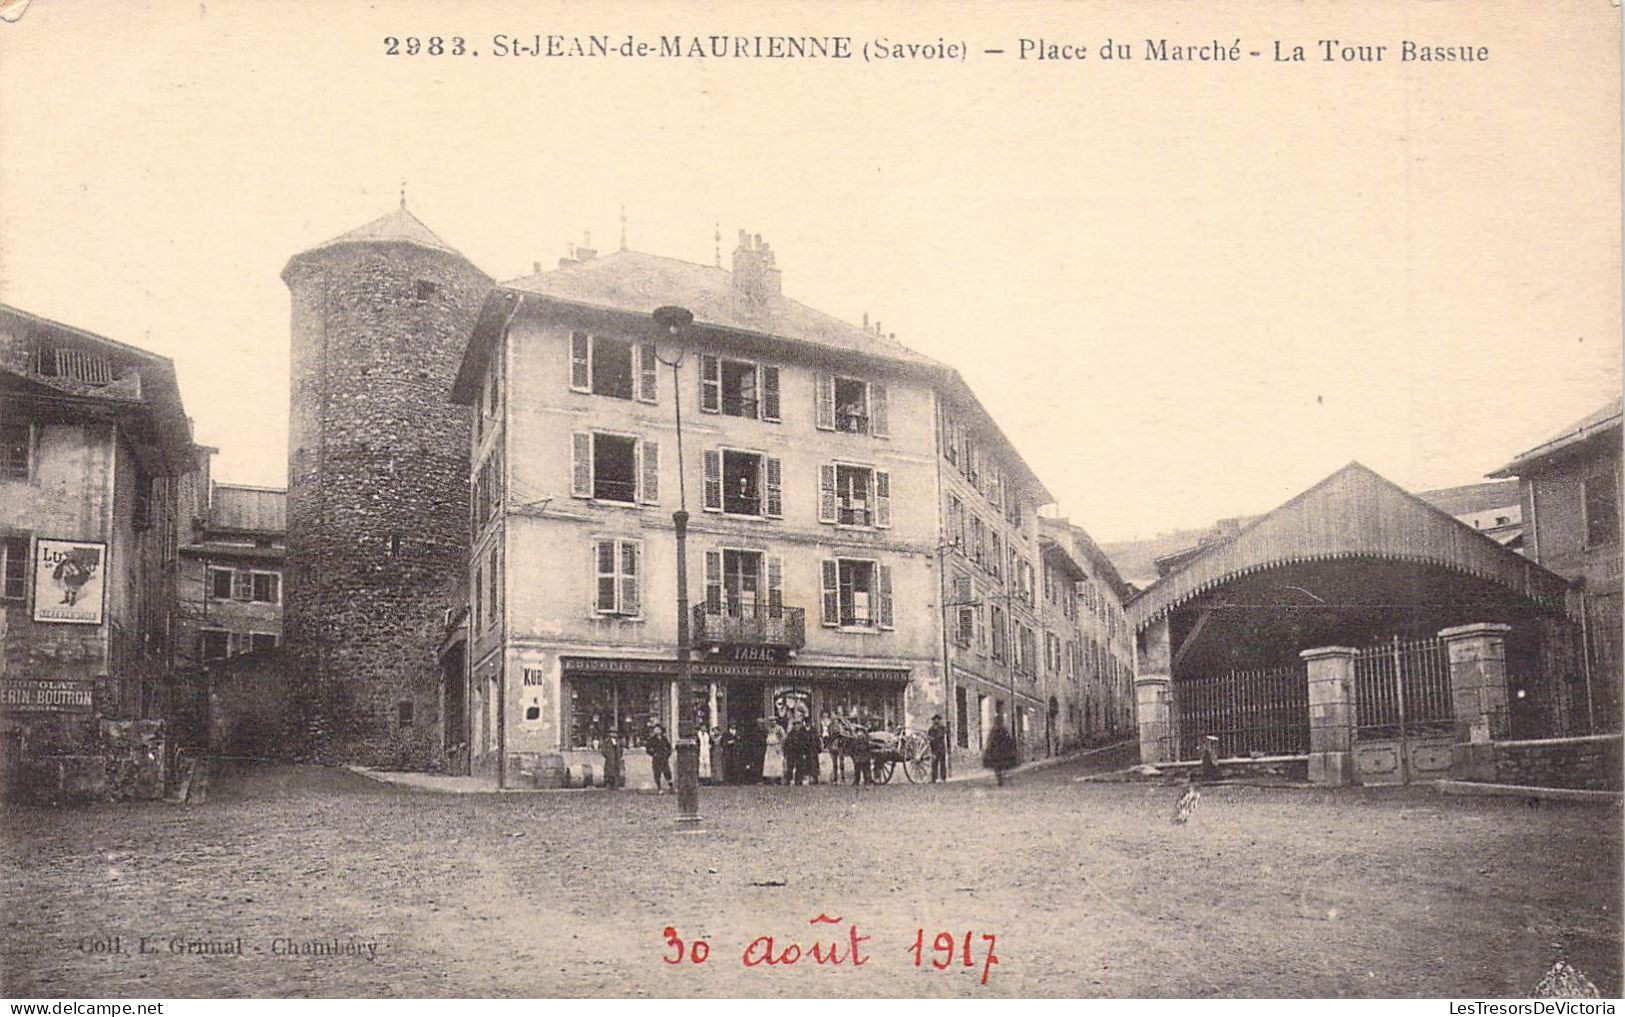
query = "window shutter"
x=629 y=577
x=650 y=450
x=826 y=401
x=770 y=394
x=603 y=568
x=775 y=585
x=648 y=381
x=883 y=595
x=831 y=574
x=773 y=472
x=826 y=493
x=710 y=384
x=580 y=362
x=713 y=480
x=962 y=590
x=877 y=410
x=581 y=465
x=713 y=582
x=981 y=630
x=882 y=498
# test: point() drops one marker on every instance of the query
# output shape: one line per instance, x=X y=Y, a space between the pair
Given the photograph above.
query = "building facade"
x=816 y=465
x=1089 y=656
x=93 y=445
x=1570 y=488
x=230 y=581
x=377 y=509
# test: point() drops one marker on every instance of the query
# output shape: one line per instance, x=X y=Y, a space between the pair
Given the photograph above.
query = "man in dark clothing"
x=937 y=736
x=659 y=747
x=613 y=775
x=810 y=751
x=862 y=756
x=1000 y=754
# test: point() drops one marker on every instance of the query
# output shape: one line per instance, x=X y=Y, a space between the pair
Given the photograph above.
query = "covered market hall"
x=1359 y=630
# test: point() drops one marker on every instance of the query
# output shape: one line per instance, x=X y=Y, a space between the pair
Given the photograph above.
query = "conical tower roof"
x=398 y=227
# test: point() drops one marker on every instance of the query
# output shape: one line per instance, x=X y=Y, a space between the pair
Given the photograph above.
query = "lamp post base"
x=688 y=782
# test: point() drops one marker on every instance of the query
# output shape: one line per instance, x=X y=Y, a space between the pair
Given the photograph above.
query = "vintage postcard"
x=766 y=499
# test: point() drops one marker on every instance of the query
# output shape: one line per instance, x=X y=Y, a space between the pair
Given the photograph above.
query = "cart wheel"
x=918 y=769
x=882 y=771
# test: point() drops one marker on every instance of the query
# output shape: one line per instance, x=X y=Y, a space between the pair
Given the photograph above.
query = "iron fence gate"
x=1403 y=688
x=1263 y=712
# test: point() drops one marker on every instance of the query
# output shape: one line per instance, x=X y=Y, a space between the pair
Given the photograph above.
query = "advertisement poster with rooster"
x=68 y=581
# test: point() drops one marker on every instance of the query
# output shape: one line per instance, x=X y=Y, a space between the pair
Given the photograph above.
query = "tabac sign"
x=69 y=580
x=23 y=695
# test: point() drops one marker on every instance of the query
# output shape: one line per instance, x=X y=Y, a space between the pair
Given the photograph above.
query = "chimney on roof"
x=535 y=268
x=754 y=273
x=586 y=252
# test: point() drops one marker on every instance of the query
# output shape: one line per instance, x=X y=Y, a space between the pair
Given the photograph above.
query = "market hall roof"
x=1352 y=514
x=1593 y=425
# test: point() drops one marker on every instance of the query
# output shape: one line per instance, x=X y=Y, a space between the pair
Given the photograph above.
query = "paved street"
x=1087 y=886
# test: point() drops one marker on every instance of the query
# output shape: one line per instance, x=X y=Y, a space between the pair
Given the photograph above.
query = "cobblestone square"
x=294 y=881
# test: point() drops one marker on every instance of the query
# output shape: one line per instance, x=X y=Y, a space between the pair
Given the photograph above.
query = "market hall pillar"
x=1153 y=694
x=1331 y=714
x=1478 y=694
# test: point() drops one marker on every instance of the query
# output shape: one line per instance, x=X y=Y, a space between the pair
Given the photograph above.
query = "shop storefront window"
x=865 y=702
x=630 y=706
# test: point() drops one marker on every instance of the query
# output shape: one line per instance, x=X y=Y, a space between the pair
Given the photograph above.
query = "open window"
x=612 y=367
x=857 y=593
x=741 y=483
x=854 y=495
x=851 y=406
x=615 y=468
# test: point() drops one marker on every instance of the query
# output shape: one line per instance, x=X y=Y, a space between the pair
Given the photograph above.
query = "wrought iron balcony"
x=749 y=623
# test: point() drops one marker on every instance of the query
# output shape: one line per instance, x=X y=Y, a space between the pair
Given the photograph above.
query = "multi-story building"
x=93 y=440
x=990 y=544
x=1570 y=487
x=230 y=583
x=1088 y=637
x=820 y=464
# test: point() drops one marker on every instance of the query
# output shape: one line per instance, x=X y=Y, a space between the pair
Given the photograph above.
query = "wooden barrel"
x=551 y=772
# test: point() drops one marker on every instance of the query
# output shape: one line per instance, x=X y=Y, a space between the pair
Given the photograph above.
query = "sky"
x=1185 y=290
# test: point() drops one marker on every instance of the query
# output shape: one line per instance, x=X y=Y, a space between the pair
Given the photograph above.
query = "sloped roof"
x=638 y=283
x=1593 y=424
x=398 y=227
x=1353 y=513
x=1473 y=497
x=144 y=382
x=245 y=508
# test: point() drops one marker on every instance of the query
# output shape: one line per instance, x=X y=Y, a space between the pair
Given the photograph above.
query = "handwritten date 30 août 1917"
x=841 y=949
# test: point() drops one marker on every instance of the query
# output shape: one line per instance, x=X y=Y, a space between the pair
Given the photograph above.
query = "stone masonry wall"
x=1590 y=763
x=377 y=493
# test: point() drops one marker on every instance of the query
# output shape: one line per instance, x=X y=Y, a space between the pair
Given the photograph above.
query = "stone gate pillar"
x=1153 y=694
x=1154 y=712
x=1478 y=695
x=1331 y=714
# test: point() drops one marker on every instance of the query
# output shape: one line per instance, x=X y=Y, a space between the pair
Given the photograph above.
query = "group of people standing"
x=766 y=751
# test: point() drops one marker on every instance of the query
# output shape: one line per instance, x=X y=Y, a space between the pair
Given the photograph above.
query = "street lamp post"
x=673 y=320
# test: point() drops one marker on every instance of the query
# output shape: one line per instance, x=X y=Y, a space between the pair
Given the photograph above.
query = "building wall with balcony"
x=553 y=527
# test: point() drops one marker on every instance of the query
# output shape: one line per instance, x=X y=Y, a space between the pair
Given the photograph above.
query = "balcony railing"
x=853 y=423
x=751 y=623
x=854 y=515
x=741 y=505
x=738 y=406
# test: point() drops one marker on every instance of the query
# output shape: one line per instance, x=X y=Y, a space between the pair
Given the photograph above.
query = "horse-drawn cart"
x=890 y=749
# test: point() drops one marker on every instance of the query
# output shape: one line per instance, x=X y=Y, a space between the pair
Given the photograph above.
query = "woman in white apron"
x=704 y=736
x=773 y=762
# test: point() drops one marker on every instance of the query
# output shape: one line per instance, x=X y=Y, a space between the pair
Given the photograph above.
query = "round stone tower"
x=377 y=486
